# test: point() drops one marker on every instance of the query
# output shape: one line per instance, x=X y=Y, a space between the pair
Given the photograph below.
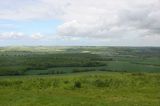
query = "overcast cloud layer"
x=100 y=22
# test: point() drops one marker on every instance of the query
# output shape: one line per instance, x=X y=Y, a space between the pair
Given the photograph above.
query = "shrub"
x=99 y=83
x=77 y=84
x=138 y=74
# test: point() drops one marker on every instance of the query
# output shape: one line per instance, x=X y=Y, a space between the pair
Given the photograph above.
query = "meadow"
x=81 y=89
x=79 y=76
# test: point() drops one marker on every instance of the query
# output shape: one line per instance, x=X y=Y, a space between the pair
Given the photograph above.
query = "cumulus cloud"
x=20 y=36
x=113 y=20
x=37 y=36
x=108 y=18
x=11 y=35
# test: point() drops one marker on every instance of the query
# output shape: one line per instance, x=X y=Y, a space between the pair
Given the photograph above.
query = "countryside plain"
x=79 y=76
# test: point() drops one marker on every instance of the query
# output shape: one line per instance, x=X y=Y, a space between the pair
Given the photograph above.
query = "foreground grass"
x=86 y=89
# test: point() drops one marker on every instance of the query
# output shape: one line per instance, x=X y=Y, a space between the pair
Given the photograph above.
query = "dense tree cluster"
x=18 y=63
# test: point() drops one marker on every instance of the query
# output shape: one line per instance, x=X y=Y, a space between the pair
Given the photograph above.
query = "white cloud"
x=108 y=18
x=37 y=36
x=22 y=36
x=113 y=20
x=11 y=35
x=30 y=9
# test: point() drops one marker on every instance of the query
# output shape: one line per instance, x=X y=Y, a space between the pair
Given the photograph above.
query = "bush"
x=99 y=83
x=138 y=74
x=77 y=84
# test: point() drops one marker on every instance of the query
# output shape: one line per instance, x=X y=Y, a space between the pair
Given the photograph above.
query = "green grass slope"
x=82 y=89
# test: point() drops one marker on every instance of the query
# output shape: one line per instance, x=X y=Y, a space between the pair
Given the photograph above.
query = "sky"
x=80 y=22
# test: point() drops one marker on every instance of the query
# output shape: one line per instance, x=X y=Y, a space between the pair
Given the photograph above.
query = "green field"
x=59 y=60
x=85 y=89
x=79 y=76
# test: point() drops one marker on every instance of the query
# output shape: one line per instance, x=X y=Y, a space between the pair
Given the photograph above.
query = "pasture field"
x=81 y=89
x=59 y=60
x=79 y=76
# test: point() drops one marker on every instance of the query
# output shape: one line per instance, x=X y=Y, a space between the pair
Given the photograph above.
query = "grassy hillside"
x=85 y=89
